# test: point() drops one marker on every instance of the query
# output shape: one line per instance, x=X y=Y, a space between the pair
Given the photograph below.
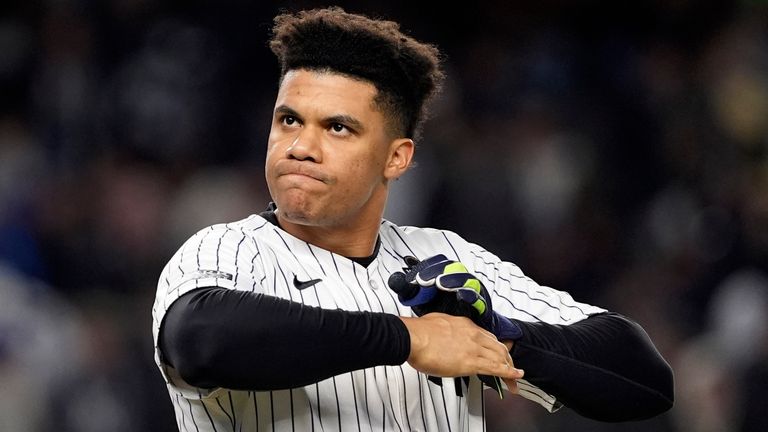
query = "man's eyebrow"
x=346 y=120
x=285 y=109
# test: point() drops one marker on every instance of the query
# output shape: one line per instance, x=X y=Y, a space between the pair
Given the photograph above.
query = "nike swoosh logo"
x=304 y=285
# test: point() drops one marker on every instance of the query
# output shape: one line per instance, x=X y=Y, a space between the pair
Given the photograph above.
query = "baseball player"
x=319 y=315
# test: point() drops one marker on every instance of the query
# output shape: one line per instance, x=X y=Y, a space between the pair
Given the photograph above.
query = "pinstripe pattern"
x=254 y=255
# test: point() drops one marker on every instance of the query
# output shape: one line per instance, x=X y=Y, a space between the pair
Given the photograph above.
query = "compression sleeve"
x=217 y=337
x=604 y=367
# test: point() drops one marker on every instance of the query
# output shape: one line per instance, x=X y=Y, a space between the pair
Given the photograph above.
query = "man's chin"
x=296 y=215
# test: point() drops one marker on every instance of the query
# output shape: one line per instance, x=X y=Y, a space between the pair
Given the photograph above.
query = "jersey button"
x=374 y=284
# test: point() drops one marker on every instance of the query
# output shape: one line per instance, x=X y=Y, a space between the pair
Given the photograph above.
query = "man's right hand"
x=451 y=346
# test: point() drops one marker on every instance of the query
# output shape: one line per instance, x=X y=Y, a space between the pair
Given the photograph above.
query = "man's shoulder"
x=387 y=225
x=410 y=233
x=250 y=224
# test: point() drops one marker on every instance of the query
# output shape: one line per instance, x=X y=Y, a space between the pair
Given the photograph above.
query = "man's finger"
x=500 y=369
x=432 y=269
x=512 y=385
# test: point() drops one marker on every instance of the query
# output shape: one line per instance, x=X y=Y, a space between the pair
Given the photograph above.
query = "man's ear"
x=400 y=157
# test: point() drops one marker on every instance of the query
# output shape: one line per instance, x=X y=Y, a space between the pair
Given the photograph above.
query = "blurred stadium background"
x=616 y=152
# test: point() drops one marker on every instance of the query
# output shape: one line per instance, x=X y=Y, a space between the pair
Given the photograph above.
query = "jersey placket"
x=375 y=273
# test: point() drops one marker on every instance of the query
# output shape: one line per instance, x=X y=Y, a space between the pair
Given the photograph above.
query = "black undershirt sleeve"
x=217 y=337
x=604 y=367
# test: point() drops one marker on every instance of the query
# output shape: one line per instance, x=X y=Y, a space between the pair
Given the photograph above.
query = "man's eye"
x=289 y=120
x=338 y=127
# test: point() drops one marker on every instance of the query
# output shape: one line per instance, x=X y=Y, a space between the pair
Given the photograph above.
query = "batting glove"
x=438 y=284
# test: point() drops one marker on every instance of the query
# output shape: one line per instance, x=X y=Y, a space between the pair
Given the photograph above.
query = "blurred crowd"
x=617 y=153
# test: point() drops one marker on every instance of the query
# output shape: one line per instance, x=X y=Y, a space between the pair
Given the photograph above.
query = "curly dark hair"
x=405 y=72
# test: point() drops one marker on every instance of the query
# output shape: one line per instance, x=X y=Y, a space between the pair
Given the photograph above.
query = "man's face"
x=328 y=150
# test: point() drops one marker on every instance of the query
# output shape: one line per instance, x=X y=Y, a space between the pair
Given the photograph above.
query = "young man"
x=286 y=321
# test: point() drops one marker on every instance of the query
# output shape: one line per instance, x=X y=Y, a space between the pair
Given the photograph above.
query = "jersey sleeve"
x=516 y=295
x=220 y=256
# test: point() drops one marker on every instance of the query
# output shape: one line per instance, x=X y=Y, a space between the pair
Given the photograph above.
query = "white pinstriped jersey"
x=255 y=255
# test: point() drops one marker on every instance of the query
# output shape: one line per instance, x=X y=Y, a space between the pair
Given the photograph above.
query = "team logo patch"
x=204 y=274
x=304 y=285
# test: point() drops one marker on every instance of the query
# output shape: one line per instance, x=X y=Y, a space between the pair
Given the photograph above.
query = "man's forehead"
x=325 y=91
x=327 y=81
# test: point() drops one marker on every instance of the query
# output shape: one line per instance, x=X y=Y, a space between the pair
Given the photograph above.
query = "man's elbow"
x=659 y=377
x=195 y=359
x=654 y=383
x=623 y=400
x=665 y=387
x=190 y=345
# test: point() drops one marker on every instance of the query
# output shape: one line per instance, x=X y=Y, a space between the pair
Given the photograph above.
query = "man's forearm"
x=217 y=337
x=604 y=367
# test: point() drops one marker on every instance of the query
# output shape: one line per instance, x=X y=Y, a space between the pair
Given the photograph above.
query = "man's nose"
x=306 y=146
